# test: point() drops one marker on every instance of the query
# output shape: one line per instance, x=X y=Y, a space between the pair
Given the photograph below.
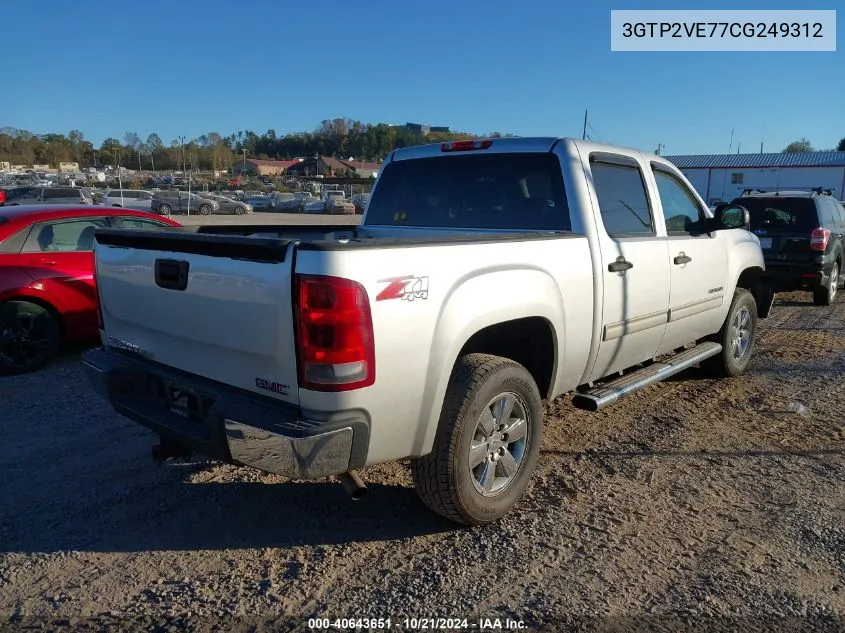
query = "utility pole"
x=584 y=133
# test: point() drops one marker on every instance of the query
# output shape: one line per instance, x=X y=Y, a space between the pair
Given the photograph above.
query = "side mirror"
x=731 y=216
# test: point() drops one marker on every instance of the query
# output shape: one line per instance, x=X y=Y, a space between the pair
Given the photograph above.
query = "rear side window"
x=63 y=236
x=139 y=223
x=622 y=197
x=473 y=191
x=781 y=215
x=58 y=192
x=830 y=215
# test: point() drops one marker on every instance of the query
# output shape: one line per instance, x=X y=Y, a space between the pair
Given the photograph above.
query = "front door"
x=634 y=266
x=698 y=264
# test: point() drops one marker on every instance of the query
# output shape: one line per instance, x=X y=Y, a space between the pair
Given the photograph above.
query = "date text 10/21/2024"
x=417 y=624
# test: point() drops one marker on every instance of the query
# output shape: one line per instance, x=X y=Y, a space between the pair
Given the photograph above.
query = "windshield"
x=518 y=191
x=781 y=216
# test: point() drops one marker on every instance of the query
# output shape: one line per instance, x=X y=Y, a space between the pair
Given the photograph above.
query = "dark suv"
x=802 y=235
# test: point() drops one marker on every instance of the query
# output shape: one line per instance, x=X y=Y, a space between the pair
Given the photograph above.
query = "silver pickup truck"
x=485 y=277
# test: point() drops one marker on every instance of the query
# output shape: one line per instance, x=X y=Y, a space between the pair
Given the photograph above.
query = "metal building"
x=726 y=176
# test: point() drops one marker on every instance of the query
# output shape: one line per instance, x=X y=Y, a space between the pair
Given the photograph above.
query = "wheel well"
x=752 y=280
x=44 y=304
x=528 y=341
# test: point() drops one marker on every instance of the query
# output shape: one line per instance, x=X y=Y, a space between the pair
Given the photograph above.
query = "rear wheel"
x=825 y=296
x=29 y=336
x=737 y=337
x=487 y=442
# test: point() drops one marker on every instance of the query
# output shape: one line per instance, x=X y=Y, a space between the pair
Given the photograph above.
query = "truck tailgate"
x=215 y=306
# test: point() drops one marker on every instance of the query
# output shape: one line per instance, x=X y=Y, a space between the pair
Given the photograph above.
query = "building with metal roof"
x=726 y=176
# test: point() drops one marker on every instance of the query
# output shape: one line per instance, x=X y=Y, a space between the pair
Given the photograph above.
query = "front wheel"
x=205 y=209
x=239 y=210
x=737 y=337
x=165 y=209
x=487 y=442
x=825 y=296
x=29 y=336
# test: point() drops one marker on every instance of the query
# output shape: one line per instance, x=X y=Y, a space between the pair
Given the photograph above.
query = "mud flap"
x=764 y=294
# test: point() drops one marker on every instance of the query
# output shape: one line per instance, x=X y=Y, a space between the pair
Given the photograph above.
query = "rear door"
x=59 y=255
x=698 y=263
x=635 y=265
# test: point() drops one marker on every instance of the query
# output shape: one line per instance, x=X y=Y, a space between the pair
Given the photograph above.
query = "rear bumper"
x=227 y=424
x=785 y=277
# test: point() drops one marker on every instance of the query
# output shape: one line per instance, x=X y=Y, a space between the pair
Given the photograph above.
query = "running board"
x=603 y=395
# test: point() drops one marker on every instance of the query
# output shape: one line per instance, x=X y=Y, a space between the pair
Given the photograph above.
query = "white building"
x=726 y=176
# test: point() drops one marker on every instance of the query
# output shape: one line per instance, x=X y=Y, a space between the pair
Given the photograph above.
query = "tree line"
x=341 y=138
x=806 y=146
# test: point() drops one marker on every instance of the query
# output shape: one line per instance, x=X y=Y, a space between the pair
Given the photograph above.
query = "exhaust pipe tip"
x=353 y=484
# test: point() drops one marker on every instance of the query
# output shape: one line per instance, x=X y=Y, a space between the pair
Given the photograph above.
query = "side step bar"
x=603 y=395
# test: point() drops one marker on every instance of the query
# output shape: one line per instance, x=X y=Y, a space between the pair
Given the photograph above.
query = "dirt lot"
x=694 y=504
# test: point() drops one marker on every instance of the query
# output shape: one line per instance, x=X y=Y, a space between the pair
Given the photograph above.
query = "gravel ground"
x=696 y=504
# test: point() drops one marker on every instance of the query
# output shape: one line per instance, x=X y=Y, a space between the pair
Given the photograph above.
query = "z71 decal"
x=407 y=288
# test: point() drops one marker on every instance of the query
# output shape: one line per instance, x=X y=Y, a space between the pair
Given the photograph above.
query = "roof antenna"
x=725 y=175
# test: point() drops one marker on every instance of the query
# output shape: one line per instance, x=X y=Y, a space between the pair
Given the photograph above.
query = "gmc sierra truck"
x=486 y=277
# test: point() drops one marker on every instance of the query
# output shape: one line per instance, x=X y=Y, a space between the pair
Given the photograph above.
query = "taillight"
x=334 y=334
x=464 y=146
x=819 y=239
x=2 y=197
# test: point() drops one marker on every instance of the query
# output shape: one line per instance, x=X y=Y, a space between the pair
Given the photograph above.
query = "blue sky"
x=530 y=68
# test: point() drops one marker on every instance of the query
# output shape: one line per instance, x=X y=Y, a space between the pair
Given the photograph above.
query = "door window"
x=681 y=211
x=63 y=236
x=138 y=223
x=622 y=197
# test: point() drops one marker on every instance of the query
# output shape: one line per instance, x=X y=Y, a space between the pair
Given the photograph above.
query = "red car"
x=47 y=293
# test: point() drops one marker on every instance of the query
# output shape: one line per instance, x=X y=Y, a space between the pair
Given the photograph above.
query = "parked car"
x=129 y=198
x=340 y=205
x=278 y=198
x=54 y=196
x=257 y=201
x=9 y=195
x=167 y=202
x=360 y=201
x=304 y=198
x=228 y=205
x=292 y=204
x=620 y=266
x=802 y=234
x=313 y=205
x=47 y=293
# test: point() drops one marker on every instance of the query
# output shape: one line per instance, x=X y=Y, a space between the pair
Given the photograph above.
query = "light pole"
x=243 y=167
x=182 y=141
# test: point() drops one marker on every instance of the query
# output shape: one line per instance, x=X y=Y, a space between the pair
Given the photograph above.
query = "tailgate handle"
x=171 y=274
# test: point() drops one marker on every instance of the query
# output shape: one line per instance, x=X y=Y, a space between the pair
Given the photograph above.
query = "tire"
x=205 y=209
x=29 y=337
x=165 y=209
x=825 y=296
x=239 y=210
x=737 y=337
x=444 y=479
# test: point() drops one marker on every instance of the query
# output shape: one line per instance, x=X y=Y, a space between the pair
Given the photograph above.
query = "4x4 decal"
x=407 y=288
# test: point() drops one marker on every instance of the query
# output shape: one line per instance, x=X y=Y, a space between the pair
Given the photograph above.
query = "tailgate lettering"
x=269 y=385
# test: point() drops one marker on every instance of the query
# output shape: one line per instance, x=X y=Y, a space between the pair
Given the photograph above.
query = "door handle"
x=46 y=262
x=620 y=265
x=682 y=259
